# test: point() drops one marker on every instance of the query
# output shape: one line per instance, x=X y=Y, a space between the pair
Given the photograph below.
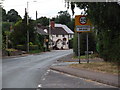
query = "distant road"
x=26 y=72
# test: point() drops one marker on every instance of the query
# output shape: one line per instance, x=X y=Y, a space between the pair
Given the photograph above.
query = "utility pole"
x=27 y=27
x=49 y=43
x=27 y=30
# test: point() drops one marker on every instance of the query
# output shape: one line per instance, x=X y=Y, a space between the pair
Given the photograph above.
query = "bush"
x=34 y=47
x=21 y=47
x=71 y=43
x=92 y=43
x=11 y=52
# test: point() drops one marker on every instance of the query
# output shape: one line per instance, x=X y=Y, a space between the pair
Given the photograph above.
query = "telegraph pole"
x=27 y=30
x=49 y=43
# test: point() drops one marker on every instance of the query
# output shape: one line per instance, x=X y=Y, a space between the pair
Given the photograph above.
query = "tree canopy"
x=43 y=21
x=12 y=16
x=105 y=18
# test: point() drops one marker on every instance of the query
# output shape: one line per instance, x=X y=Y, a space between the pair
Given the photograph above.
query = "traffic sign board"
x=83 y=28
x=83 y=20
x=82 y=23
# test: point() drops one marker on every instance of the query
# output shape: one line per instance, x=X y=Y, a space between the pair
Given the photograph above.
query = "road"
x=56 y=79
x=33 y=71
x=26 y=72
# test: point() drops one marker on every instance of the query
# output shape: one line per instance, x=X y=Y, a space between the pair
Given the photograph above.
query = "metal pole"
x=79 y=47
x=27 y=30
x=87 y=50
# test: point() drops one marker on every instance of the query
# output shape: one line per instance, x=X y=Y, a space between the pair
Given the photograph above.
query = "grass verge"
x=34 y=51
x=106 y=67
x=84 y=56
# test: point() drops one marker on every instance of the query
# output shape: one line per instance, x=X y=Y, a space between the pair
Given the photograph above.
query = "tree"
x=83 y=44
x=63 y=17
x=19 y=36
x=43 y=21
x=5 y=34
x=107 y=27
x=4 y=15
x=71 y=24
x=12 y=16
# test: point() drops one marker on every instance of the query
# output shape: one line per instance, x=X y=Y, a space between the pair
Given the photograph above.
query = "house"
x=59 y=35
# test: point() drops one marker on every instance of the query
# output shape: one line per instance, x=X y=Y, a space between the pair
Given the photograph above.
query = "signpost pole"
x=87 y=50
x=79 y=47
x=82 y=24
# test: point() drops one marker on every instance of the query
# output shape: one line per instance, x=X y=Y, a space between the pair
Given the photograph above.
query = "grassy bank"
x=106 y=67
x=34 y=51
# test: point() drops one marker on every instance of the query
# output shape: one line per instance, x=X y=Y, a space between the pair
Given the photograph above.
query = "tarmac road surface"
x=26 y=72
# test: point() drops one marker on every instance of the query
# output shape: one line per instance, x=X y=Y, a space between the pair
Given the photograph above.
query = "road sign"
x=83 y=28
x=82 y=24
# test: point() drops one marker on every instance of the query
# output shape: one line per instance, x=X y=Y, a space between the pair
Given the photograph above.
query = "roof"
x=41 y=31
x=69 y=31
x=59 y=29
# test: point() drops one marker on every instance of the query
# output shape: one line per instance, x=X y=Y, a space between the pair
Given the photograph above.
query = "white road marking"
x=48 y=70
x=39 y=85
x=43 y=79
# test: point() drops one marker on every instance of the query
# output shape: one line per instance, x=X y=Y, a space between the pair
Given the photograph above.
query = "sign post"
x=82 y=24
x=79 y=47
x=87 y=50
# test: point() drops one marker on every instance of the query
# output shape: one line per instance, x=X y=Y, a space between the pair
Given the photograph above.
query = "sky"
x=48 y=8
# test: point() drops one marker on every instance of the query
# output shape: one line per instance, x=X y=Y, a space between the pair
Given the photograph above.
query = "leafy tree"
x=71 y=24
x=83 y=43
x=6 y=26
x=12 y=16
x=19 y=36
x=63 y=17
x=4 y=15
x=107 y=27
x=5 y=33
x=43 y=21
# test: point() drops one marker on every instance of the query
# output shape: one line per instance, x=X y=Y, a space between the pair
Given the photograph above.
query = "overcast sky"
x=48 y=8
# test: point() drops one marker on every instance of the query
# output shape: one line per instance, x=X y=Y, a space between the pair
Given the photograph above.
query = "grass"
x=83 y=57
x=106 y=67
x=11 y=50
x=34 y=51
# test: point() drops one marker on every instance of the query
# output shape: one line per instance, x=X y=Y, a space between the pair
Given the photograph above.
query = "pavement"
x=105 y=78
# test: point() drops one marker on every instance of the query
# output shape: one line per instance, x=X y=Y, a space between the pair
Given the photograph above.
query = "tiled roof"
x=69 y=31
x=41 y=31
x=59 y=29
